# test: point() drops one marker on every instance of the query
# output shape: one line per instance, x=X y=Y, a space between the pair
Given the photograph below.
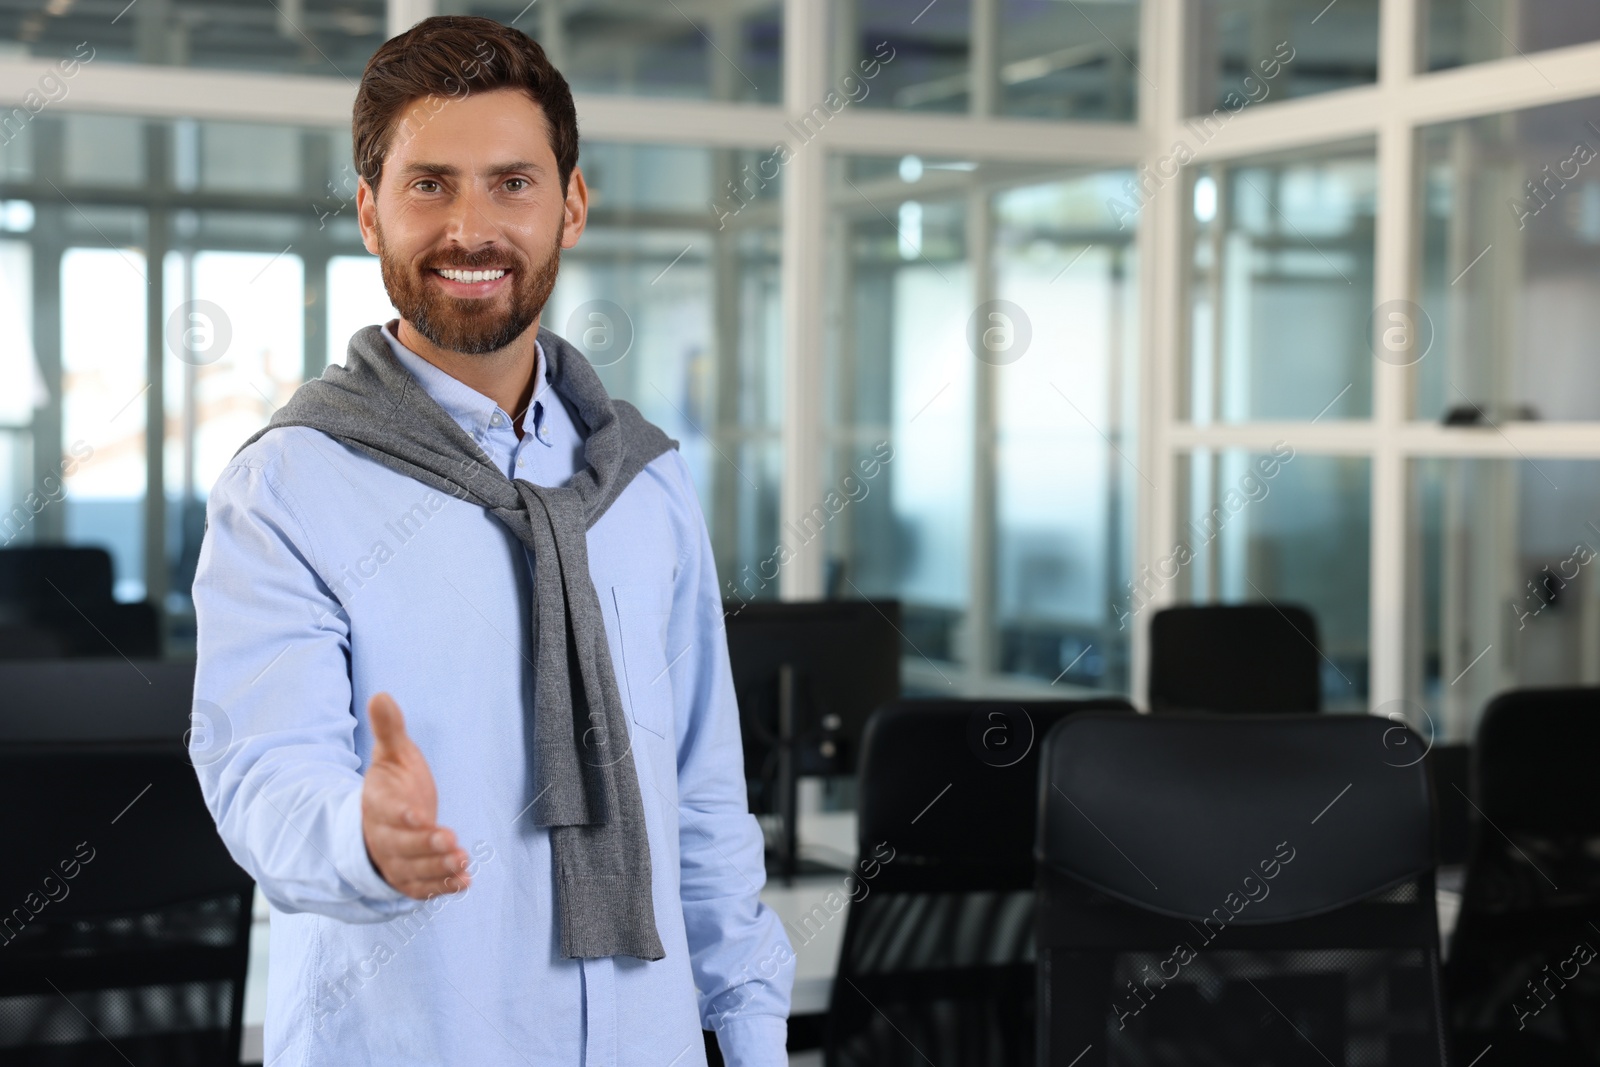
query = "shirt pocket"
x=643 y=612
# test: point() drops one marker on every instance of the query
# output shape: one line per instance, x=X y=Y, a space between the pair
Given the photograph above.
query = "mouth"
x=471 y=282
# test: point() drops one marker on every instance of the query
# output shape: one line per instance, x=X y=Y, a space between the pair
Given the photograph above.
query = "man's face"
x=469 y=219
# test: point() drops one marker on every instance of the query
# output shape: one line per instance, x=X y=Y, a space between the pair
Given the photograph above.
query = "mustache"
x=488 y=259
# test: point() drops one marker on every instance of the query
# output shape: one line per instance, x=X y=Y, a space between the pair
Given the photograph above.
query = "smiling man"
x=546 y=857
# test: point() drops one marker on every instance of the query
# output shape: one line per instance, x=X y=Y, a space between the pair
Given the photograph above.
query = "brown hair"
x=454 y=56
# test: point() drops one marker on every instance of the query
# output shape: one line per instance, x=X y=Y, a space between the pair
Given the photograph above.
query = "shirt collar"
x=470 y=408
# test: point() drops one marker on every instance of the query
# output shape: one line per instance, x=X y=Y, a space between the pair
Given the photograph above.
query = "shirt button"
x=544 y=433
x=495 y=420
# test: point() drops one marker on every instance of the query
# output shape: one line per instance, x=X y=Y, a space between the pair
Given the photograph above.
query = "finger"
x=433 y=885
x=429 y=890
x=388 y=727
x=413 y=844
x=428 y=868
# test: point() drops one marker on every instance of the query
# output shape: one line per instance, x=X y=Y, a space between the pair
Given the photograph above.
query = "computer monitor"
x=807 y=675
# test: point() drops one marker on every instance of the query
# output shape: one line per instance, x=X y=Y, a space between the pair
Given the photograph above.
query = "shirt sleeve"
x=742 y=960
x=276 y=756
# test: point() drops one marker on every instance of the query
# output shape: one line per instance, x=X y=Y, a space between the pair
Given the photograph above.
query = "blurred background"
x=1198 y=218
x=1153 y=302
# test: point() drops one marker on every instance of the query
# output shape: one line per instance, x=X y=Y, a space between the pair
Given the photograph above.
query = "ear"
x=575 y=209
x=367 y=215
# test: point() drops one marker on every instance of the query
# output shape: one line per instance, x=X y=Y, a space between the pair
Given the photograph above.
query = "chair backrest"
x=937 y=956
x=1523 y=973
x=29 y=641
x=127 y=927
x=65 y=591
x=1234 y=658
x=1236 y=889
x=39 y=574
x=1450 y=767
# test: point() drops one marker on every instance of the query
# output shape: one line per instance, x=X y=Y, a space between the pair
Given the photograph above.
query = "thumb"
x=389 y=738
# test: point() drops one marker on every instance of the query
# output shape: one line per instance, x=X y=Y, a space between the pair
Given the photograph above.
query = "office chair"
x=22 y=641
x=127 y=925
x=1450 y=767
x=65 y=591
x=1530 y=908
x=937 y=956
x=1234 y=657
x=1235 y=890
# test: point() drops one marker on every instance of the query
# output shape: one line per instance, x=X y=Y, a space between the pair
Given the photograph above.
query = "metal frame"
x=1391 y=111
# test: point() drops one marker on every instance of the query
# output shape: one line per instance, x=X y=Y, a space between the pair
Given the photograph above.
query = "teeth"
x=472 y=275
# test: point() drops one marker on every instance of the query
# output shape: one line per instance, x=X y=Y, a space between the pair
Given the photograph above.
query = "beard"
x=472 y=326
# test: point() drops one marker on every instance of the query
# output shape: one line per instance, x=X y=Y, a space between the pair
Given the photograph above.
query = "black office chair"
x=1532 y=891
x=24 y=641
x=937 y=957
x=1234 y=657
x=65 y=591
x=1450 y=767
x=127 y=933
x=1235 y=890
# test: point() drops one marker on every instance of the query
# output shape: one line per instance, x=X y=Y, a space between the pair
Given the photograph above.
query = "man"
x=546 y=856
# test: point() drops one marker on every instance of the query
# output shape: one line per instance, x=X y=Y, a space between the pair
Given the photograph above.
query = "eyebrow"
x=449 y=170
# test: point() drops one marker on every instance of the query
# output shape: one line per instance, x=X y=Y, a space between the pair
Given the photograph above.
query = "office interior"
x=1225 y=372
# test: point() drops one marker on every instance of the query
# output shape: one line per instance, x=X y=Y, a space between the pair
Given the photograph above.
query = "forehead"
x=474 y=128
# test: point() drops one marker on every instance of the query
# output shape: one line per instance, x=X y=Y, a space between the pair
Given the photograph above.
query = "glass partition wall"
x=990 y=306
x=1381 y=402
x=983 y=335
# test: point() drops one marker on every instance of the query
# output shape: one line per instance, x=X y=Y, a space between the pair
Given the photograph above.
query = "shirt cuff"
x=352 y=861
x=754 y=1041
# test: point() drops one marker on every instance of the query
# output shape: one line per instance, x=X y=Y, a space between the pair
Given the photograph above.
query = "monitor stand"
x=785 y=861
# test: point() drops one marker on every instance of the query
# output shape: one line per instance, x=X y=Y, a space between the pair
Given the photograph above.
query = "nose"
x=471 y=222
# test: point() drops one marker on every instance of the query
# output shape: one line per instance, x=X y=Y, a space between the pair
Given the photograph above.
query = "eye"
x=427 y=182
x=520 y=183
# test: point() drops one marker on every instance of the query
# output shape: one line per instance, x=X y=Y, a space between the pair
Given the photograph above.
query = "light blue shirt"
x=325 y=577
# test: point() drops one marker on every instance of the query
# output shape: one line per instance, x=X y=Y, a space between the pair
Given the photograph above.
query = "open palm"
x=400 y=810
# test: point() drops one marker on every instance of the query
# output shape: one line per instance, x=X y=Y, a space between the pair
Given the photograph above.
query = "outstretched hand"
x=400 y=809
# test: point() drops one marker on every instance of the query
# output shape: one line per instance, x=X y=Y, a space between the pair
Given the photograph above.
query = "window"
x=1510 y=236
x=1474 y=31
x=990 y=386
x=703 y=51
x=1045 y=59
x=1252 y=52
x=1504 y=594
x=103 y=381
x=1281 y=285
x=1280 y=526
x=309 y=37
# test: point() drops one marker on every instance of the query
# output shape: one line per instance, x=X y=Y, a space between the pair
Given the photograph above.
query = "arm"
x=743 y=963
x=278 y=766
